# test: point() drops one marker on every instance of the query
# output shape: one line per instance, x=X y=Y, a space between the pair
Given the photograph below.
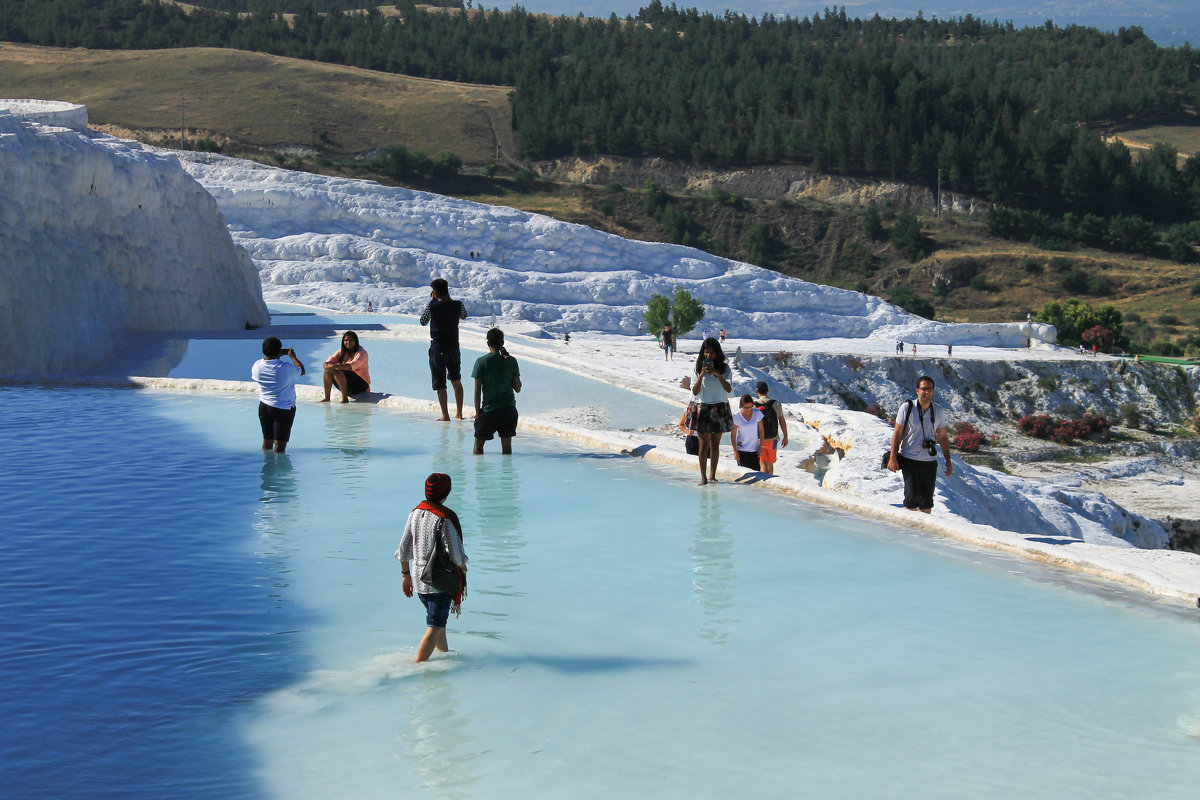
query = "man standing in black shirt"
x=442 y=316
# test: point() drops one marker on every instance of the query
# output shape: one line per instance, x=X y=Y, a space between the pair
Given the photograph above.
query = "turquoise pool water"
x=187 y=617
x=397 y=367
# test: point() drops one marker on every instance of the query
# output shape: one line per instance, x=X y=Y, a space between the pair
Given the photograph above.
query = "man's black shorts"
x=444 y=362
x=919 y=480
x=501 y=421
x=276 y=422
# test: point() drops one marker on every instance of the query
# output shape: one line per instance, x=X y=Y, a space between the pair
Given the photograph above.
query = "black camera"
x=931 y=447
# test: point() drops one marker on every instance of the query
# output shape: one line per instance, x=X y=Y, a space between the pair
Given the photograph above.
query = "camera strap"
x=921 y=418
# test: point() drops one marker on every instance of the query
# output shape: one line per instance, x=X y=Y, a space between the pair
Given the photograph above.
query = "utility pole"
x=939 y=194
x=180 y=122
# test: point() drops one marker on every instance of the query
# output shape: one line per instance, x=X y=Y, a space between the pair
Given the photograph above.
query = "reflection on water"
x=714 y=584
x=497 y=508
x=278 y=516
x=347 y=442
x=277 y=481
x=453 y=457
x=438 y=742
x=495 y=541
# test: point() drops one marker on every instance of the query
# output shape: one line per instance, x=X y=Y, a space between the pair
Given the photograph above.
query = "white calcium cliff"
x=340 y=243
x=101 y=237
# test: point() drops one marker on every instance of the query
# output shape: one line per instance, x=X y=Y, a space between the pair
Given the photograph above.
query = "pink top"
x=357 y=362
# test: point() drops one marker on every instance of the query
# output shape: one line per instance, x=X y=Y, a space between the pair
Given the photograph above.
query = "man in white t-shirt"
x=276 y=381
x=920 y=428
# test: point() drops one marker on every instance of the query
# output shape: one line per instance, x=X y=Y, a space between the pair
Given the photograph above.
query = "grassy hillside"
x=247 y=102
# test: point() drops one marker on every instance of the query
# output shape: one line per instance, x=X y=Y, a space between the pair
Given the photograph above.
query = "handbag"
x=691 y=443
x=440 y=570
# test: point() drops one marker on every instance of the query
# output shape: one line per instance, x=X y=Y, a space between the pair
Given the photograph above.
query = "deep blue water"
x=133 y=624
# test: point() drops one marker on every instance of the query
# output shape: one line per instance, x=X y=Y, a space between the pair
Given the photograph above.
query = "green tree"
x=907 y=238
x=904 y=297
x=682 y=311
x=686 y=311
x=872 y=225
x=1074 y=316
x=447 y=163
x=657 y=313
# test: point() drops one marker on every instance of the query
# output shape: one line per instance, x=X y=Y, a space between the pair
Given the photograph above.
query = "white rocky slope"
x=340 y=243
x=101 y=236
x=990 y=389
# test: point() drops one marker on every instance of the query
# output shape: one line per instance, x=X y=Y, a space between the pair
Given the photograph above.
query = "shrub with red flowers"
x=1063 y=431
x=1096 y=423
x=877 y=410
x=1099 y=336
x=1039 y=426
x=966 y=437
x=1068 y=430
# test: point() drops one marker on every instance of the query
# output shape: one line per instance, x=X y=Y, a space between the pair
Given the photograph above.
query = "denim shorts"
x=437 y=608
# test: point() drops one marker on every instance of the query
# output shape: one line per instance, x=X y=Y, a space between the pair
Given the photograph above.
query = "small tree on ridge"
x=682 y=311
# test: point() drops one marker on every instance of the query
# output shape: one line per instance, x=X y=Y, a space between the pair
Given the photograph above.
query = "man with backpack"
x=920 y=429
x=774 y=423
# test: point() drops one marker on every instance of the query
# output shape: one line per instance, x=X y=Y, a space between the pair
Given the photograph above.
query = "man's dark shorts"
x=444 y=361
x=276 y=422
x=919 y=480
x=501 y=421
x=437 y=608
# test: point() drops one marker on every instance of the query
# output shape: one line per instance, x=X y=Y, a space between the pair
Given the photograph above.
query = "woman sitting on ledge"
x=348 y=369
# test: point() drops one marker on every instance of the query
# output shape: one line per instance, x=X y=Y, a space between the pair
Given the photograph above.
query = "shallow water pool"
x=397 y=367
x=184 y=616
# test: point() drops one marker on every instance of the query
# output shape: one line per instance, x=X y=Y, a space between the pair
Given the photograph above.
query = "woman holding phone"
x=712 y=388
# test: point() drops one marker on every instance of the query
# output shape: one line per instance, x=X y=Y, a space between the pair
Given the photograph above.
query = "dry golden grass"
x=1184 y=138
x=267 y=102
x=1147 y=287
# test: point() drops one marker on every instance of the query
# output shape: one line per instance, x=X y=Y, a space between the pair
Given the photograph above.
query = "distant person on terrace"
x=442 y=315
x=347 y=369
x=668 y=343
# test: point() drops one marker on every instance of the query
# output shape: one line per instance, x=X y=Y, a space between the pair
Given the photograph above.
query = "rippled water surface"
x=183 y=616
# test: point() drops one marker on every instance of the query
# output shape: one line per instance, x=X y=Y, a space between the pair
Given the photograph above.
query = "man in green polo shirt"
x=497 y=380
